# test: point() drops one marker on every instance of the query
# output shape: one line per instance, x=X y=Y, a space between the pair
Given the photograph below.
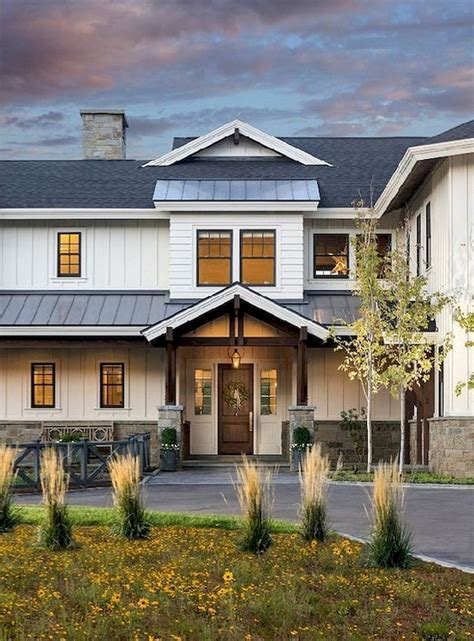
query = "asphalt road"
x=441 y=518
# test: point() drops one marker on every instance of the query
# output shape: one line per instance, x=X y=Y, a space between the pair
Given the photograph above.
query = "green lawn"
x=408 y=477
x=189 y=581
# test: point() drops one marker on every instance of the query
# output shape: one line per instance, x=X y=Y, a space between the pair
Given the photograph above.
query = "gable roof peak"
x=224 y=131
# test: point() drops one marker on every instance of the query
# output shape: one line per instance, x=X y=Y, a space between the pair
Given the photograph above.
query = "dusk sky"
x=183 y=67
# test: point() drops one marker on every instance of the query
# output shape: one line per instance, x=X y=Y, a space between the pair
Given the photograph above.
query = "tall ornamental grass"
x=313 y=472
x=254 y=488
x=390 y=545
x=55 y=531
x=132 y=518
x=7 y=514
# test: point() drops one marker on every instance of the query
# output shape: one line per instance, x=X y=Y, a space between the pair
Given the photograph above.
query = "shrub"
x=390 y=545
x=55 y=531
x=313 y=480
x=301 y=438
x=132 y=518
x=434 y=631
x=255 y=493
x=169 y=439
x=7 y=514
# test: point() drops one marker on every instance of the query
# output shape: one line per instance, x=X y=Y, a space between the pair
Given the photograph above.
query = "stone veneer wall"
x=14 y=432
x=334 y=440
x=452 y=446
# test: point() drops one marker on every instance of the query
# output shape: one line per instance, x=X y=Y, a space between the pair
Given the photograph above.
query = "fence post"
x=84 y=450
x=37 y=464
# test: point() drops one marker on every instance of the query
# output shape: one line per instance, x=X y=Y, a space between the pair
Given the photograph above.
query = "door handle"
x=250 y=421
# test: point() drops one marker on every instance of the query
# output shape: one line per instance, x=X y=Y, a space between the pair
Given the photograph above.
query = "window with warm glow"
x=384 y=247
x=257 y=257
x=69 y=254
x=214 y=250
x=268 y=392
x=43 y=385
x=202 y=392
x=112 y=385
x=331 y=255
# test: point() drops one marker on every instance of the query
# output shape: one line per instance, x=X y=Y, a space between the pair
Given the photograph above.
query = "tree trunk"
x=402 y=430
x=369 y=431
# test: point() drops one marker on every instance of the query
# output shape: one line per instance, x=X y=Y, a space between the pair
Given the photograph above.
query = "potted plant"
x=301 y=443
x=169 y=450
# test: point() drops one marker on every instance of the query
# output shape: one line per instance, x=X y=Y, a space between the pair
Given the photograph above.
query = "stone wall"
x=18 y=432
x=452 y=446
x=122 y=429
x=336 y=441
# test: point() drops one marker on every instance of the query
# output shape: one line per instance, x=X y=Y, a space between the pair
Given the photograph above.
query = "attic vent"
x=236 y=136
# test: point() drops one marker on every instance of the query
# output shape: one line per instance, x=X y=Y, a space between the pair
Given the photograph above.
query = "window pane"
x=214 y=257
x=257 y=261
x=258 y=271
x=268 y=392
x=69 y=254
x=42 y=385
x=202 y=392
x=112 y=385
x=331 y=255
x=214 y=271
x=384 y=247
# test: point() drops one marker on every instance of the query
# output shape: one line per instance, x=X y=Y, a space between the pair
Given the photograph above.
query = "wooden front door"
x=235 y=417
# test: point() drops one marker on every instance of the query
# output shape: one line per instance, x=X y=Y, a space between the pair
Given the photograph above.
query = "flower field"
x=193 y=583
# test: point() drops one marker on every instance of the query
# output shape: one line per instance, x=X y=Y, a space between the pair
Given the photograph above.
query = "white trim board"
x=58 y=331
x=266 y=140
x=225 y=295
x=412 y=156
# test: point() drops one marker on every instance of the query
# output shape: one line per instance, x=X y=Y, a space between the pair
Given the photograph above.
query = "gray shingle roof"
x=139 y=309
x=356 y=163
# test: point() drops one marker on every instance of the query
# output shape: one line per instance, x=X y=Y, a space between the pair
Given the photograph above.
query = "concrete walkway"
x=441 y=518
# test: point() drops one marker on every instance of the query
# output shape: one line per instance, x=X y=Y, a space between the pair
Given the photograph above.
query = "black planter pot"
x=168 y=460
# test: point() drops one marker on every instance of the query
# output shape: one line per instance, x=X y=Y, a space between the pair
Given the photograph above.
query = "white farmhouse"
x=197 y=289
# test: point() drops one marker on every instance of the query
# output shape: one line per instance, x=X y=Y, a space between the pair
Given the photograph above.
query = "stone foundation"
x=452 y=446
x=335 y=441
x=13 y=432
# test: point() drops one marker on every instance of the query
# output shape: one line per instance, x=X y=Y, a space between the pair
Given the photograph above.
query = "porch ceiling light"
x=236 y=358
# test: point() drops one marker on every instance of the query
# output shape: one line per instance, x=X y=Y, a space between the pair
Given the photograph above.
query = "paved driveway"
x=441 y=518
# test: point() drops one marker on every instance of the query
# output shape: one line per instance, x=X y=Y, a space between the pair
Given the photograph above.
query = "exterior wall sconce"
x=236 y=358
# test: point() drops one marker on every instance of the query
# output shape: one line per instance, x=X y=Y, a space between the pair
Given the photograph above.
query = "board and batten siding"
x=77 y=383
x=330 y=390
x=450 y=191
x=227 y=148
x=183 y=251
x=115 y=255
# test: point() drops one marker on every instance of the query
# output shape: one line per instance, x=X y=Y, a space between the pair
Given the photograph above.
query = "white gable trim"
x=224 y=296
x=414 y=155
x=227 y=130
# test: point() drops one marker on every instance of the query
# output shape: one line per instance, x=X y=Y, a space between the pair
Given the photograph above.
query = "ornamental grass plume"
x=313 y=473
x=125 y=476
x=7 y=514
x=254 y=488
x=55 y=531
x=390 y=545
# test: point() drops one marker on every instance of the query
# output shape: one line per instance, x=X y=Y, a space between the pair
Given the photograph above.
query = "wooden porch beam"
x=170 y=391
x=302 y=368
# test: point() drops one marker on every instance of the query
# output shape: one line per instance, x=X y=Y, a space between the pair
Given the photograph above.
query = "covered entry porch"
x=235 y=363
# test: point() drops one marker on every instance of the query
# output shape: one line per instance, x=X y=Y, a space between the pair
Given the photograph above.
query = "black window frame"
x=242 y=257
x=230 y=258
x=418 y=245
x=428 y=255
x=35 y=385
x=103 y=386
x=334 y=276
x=59 y=254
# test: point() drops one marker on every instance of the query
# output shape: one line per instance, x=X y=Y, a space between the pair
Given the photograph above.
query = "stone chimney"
x=103 y=134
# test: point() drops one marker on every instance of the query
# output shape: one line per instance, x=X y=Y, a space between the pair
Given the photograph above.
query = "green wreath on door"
x=236 y=394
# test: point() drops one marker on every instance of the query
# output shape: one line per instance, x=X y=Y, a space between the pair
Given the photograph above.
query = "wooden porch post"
x=170 y=368
x=302 y=368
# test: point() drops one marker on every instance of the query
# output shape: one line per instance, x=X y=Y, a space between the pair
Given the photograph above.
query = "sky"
x=184 y=67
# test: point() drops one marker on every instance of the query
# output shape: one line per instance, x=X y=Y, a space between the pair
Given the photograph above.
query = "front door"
x=235 y=415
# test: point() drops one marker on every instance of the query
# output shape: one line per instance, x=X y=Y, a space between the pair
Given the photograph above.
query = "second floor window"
x=384 y=247
x=112 y=385
x=331 y=255
x=257 y=257
x=418 y=245
x=428 y=235
x=214 y=257
x=43 y=383
x=69 y=254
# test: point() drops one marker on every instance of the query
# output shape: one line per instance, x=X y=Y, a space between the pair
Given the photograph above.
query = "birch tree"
x=364 y=352
x=408 y=310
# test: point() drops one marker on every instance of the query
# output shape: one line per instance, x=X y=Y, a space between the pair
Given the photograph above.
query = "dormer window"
x=214 y=251
x=69 y=254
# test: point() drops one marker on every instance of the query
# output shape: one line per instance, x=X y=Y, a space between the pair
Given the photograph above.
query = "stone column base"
x=452 y=446
x=300 y=416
